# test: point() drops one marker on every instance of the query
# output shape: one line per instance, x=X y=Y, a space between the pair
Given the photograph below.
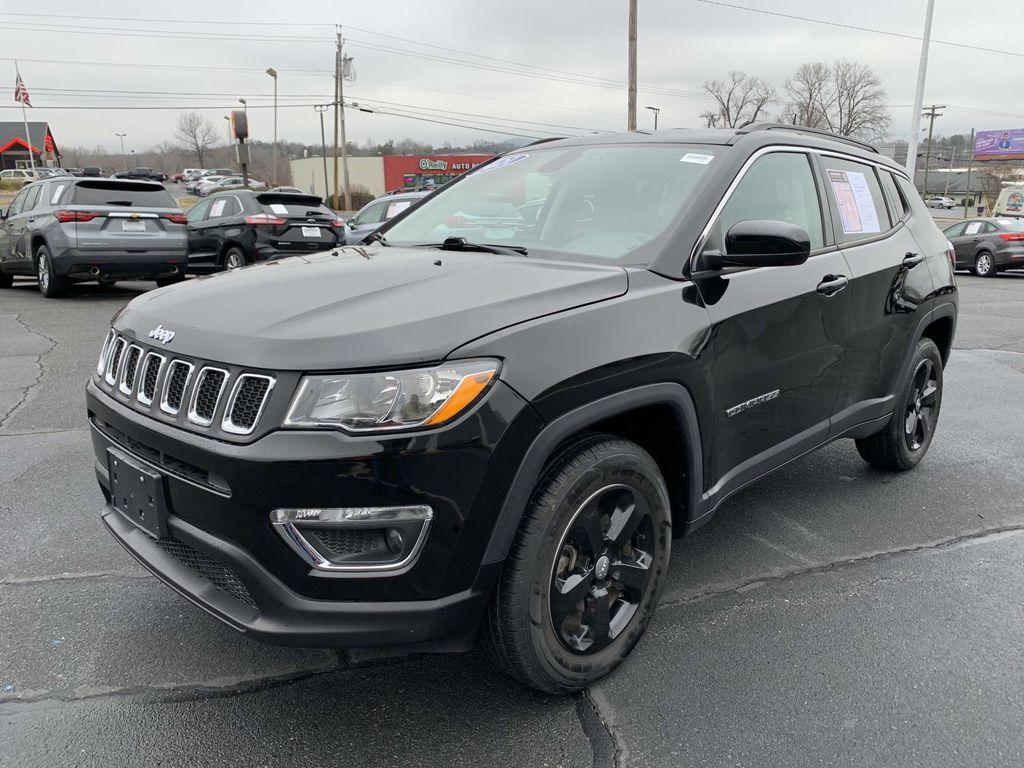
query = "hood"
x=355 y=308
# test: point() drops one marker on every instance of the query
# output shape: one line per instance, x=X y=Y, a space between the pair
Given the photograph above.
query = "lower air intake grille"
x=221 y=576
x=337 y=542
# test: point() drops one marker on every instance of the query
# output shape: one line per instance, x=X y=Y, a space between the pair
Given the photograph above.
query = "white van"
x=1010 y=202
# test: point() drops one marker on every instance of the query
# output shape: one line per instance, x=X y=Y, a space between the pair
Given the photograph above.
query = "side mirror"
x=760 y=243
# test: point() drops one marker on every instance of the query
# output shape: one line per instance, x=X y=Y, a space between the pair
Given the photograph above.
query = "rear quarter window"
x=857 y=199
x=120 y=193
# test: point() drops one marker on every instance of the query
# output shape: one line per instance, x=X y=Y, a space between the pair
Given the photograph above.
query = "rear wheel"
x=165 y=281
x=984 y=265
x=586 y=569
x=905 y=439
x=51 y=285
x=234 y=258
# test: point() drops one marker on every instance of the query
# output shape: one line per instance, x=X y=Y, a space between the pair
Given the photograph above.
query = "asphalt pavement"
x=831 y=615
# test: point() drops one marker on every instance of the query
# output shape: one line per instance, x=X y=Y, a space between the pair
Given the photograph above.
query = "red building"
x=14 y=148
x=401 y=171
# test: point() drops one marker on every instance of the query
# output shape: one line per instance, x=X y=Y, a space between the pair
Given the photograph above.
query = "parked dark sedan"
x=142 y=174
x=988 y=246
x=232 y=229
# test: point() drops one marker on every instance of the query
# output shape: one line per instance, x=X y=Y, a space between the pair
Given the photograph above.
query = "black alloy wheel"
x=921 y=405
x=602 y=569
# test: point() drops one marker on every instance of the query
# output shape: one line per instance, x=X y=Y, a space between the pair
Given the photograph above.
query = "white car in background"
x=203 y=186
x=941 y=201
x=233 y=182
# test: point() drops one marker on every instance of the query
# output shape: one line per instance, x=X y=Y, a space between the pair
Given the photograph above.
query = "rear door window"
x=223 y=207
x=973 y=227
x=857 y=199
x=119 y=193
x=396 y=207
x=32 y=198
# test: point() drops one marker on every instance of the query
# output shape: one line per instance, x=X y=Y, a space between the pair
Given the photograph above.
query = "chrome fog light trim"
x=287 y=521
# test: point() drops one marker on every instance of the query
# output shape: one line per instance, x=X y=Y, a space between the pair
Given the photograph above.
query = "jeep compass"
x=491 y=427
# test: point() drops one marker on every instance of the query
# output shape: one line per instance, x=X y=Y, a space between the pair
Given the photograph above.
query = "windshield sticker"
x=856 y=206
x=503 y=162
x=218 y=207
x=696 y=157
x=973 y=228
x=280 y=210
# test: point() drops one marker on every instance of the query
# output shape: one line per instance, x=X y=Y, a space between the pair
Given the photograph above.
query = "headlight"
x=381 y=402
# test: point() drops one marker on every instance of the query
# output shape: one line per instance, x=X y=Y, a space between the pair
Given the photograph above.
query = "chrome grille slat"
x=130 y=369
x=246 y=403
x=101 y=366
x=175 y=384
x=114 y=363
x=206 y=394
x=151 y=367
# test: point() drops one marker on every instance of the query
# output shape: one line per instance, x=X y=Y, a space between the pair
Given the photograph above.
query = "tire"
x=51 y=285
x=107 y=282
x=984 y=265
x=6 y=280
x=905 y=439
x=567 y=541
x=234 y=259
x=163 y=282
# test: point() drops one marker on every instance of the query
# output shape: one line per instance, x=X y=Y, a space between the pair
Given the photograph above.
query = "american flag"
x=21 y=92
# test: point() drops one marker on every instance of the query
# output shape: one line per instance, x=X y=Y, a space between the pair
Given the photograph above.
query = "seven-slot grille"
x=180 y=385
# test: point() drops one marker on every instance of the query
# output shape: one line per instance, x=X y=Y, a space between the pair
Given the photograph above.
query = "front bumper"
x=220 y=495
x=228 y=583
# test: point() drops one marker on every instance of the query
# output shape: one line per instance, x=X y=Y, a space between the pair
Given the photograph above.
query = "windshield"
x=597 y=203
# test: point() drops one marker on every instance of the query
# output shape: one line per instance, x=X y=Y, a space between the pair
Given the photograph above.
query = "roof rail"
x=804 y=129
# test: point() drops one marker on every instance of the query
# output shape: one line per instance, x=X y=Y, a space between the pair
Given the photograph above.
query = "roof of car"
x=756 y=135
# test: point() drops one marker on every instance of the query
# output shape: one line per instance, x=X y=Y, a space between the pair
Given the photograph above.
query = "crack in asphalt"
x=977 y=536
x=600 y=724
x=39 y=364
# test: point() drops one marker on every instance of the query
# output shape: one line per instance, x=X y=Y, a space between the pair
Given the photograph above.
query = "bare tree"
x=197 y=133
x=845 y=97
x=741 y=100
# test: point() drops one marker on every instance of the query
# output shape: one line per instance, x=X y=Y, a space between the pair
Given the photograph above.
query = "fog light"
x=371 y=540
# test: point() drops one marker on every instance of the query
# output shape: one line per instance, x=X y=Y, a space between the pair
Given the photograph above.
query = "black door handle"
x=912 y=259
x=830 y=285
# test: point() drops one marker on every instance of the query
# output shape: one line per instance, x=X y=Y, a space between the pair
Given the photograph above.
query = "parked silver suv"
x=71 y=229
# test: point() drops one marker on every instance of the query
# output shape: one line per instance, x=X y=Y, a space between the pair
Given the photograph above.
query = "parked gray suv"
x=71 y=229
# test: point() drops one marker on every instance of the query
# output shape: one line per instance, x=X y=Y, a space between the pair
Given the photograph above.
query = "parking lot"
x=831 y=615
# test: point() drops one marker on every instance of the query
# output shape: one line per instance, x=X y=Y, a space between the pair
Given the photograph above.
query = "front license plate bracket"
x=138 y=493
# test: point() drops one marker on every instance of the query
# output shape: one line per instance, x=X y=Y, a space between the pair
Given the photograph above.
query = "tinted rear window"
x=293 y=205
x=120 y=193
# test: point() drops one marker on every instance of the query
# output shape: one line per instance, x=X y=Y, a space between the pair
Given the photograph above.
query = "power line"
x=855 y=27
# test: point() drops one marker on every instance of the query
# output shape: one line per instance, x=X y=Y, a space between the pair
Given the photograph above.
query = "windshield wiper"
x=377 y=237
x=461 y=244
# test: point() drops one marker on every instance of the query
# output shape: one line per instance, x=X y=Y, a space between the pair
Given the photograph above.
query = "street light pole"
x=922 y=72
x=273 y=73
x=631 y=87
x=228 y=118
x=655 y=110
x=123 y=155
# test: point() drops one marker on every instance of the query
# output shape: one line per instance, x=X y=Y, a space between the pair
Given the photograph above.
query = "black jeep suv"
x=492 y=427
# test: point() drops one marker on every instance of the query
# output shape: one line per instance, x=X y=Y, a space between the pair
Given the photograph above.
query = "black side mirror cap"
x=762 y=243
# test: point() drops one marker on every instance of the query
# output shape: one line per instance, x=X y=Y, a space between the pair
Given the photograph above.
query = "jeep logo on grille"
x=161 y=334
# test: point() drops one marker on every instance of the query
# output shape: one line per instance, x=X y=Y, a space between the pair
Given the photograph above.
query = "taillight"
x=65 y=216
x=264 y=218
x=337 y=222
x=177 y=218
x=1012 y=236
x=951 y=255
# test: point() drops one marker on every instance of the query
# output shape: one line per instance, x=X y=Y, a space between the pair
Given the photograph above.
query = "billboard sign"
x=1007 y=144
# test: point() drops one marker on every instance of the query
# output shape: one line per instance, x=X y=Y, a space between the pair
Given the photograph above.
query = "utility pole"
x=321 y=108
x=341 y=99
x=631 y=98
x=335 y=199
x=970 y=164
x=922 y=72
x=931 y=113
x=949 y=171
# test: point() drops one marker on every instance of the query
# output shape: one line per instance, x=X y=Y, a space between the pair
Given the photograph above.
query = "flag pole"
x=24 y=117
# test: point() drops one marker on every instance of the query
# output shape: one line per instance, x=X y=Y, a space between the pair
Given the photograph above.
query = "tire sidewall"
x=991 y=262
x=565 y=669
x=227 y=257
x=53 y=283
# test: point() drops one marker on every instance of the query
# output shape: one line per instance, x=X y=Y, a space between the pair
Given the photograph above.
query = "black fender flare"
x=937 y=312
x=674 y=395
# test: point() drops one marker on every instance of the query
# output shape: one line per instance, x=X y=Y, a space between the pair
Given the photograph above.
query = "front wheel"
x=51 y=285
x=905 y=439
x=588 y=564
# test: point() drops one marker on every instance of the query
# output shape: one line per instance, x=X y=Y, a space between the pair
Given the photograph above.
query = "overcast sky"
x=682 y=43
